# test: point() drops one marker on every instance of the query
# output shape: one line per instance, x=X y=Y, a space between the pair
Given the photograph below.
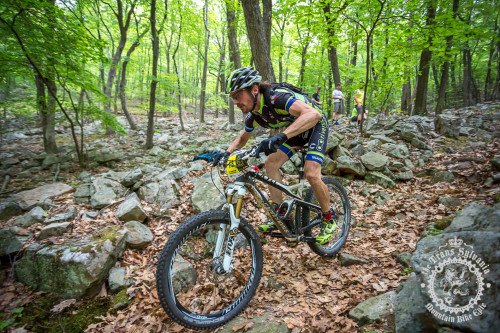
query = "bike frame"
x=240 y=186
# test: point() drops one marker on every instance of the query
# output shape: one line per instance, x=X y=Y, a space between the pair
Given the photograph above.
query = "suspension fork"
x=234 y=213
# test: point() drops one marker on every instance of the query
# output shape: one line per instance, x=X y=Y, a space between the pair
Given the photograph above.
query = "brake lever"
x=250 y=153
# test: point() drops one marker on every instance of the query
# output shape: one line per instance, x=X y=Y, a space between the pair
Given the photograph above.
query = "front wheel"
x=339 y=202
x=192 y=288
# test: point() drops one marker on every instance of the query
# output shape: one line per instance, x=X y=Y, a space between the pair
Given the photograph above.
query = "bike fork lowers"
x=234 y=213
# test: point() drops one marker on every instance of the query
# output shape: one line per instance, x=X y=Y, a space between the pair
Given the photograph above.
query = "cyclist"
x=273 y=105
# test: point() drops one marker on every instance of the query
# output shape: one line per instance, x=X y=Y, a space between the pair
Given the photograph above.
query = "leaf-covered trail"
x=311 y=293
x=307 y=292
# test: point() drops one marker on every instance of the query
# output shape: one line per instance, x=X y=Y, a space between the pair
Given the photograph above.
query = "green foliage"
x=72 y=42
x=11 y=319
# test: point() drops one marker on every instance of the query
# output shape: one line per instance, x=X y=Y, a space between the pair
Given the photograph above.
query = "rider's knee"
x=312 y=176
x=271 y=165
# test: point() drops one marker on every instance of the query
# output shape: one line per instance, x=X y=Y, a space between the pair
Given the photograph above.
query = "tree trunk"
x=329 y=103
x=205 y=65
x=353 y=60
x=178 y=73
x=332 y=51
x=267 y=19
x=197 y=81
x=496 y=88
x=152 y=94
x=470 y=92
x=123 y=27
x=47 y=113
x=117 y=91
x=221 y=60
x=425 y=59
x=286 y=68
x=443 y=84
x=259 y=45
x=488 y=81
x=123 y=83
x=234 y=49
x=303 y=56
x=406 y=97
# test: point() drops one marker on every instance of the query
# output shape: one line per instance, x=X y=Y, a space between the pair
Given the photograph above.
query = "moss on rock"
x=38 y=318
x=444 y=223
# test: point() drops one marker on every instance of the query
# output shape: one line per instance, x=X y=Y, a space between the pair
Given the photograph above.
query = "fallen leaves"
x=62 y=306
x=245 y=327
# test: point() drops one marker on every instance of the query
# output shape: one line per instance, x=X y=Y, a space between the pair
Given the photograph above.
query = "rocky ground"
x=407 y=180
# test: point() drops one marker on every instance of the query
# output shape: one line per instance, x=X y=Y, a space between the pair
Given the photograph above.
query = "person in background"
x=356 y=116
x=338 y=97
x=359 y=96
x=315 y=98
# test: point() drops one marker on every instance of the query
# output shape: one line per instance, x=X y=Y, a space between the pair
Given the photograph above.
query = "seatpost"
x=301 y=169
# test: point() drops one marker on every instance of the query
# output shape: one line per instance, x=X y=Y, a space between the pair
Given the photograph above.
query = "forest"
x=84 y=60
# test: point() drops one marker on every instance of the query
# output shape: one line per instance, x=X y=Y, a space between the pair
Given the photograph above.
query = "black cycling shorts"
x=315 y=137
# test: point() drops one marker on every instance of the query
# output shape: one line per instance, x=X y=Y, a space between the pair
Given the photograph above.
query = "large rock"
x=54 y=229
x=455 y=279
x=105 y=191
x=373 y=309
x=132 y=177
x=28 y=199
x=36 y=215
x=495 y=162
x=117 y=280
x=347 y=259
x=420 y=144
x=350 y=165
x=139 y=236
x=205 y=195
x=443 y=176
x=399 y=151
x=409 y=309
x=50 y=160
x=131 y=210
x=448 y=125
x=329 y=167
x=106 y=157
x=375 y=177
x=405 y=175
x=476 y=217
x=73 y=269
x=160 y=191
x=334 y=139
x=260 y=324
x=82 y=194
x=374 y=161
x=68 y=215
x=11 y=241
x=9 y=209
x=382 y=138
x=183 y=274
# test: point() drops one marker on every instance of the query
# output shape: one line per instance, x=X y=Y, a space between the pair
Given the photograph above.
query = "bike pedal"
x=276 y=234
x=307 y=239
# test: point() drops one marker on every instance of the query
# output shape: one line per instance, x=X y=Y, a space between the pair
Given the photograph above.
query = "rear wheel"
x=190 y=285
x=339 y=202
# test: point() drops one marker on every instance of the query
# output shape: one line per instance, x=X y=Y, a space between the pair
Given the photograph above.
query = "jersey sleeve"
x=281 y=99
x=250 y=122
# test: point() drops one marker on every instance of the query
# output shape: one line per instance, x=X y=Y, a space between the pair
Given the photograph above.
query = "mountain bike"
x=211 y=265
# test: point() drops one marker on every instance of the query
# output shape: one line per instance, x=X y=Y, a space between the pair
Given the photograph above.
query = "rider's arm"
x=307 y=117
x=239 y=141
